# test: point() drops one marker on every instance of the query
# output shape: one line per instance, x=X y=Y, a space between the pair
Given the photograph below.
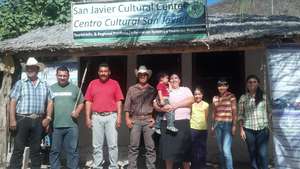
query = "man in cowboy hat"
x=103 y=114
x=138 y=108
x=30 y=98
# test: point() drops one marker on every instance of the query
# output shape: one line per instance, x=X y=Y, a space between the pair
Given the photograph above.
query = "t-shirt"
x=223 y=106
x=163 y=88
x=104 y=96
x=177 y=95
x=64 y=102
x=198 y=119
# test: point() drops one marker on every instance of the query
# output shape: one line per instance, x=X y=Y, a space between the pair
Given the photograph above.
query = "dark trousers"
x=29 y=132
x=199 y=138
x=257 y=142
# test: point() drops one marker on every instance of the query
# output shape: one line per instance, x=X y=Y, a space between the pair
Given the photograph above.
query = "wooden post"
x=7 y=67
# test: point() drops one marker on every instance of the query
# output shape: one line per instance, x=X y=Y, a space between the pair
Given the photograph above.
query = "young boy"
x=163 y=94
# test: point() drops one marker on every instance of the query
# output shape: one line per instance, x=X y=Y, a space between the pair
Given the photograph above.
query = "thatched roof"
x=258 y=7
x=226 y=31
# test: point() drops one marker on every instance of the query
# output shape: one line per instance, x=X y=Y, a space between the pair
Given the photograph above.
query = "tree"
x=20 y=16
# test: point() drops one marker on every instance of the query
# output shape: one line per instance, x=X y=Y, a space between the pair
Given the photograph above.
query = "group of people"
x=182 y=121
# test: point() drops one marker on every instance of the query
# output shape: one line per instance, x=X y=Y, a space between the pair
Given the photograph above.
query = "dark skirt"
x=176 y=146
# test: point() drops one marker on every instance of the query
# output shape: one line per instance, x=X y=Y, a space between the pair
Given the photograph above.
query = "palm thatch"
x=225 y=31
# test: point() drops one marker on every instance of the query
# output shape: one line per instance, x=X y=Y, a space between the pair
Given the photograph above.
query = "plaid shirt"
x=254 y=117
x=31 y=98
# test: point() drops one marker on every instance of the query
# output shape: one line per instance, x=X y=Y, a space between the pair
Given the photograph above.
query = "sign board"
x=150 y=21
x=284 y=75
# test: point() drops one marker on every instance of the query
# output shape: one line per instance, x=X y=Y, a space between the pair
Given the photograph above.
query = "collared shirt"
x=139 y=101
x=223 y=106
x=104 y=95
x=254 y=117
x=31 y=98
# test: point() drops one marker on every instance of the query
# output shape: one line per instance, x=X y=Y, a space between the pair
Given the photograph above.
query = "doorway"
x=169 y=63
x=209 y=67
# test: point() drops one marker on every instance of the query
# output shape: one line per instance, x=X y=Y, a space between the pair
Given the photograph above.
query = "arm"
x=12 y=115
x=46 y=121
x=88 y=109
x=77 y=110
x=184 y=103
x=119 y=115
x=241 y=115
x=129 y=121
x=234 y=115
x=206 y=114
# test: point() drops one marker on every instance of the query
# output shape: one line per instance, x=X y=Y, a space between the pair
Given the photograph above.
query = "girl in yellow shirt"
x=199 y=130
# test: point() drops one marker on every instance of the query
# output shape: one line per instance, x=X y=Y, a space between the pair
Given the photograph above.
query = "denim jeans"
x=224 y=140
x=29 y=131
x=170 y=119
x=199 y=138
x=141 y=128
x=105 y=127
x=67 y=139
x=257 y=142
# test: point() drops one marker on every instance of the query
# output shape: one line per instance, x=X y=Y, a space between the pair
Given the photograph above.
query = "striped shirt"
x=254 y=117
x=223 y=106
x=31 y=98
x=139 y=101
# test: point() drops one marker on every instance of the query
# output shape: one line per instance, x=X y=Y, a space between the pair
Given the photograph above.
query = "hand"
x=13 y=124
x=45 y=123
x=168 y=108
x=212 y=131
x=233 y=129
x=74 y=114
x=151 y=122
x=242 y=134
x=118 y=122
x=88 y=123
x=129 y=122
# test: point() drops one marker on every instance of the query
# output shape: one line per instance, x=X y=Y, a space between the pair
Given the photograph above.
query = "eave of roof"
x=224 y=30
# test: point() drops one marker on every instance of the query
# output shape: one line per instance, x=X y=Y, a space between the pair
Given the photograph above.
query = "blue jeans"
x=67 y=139
x=105 y=127
x=257 y=142
x=224 y=140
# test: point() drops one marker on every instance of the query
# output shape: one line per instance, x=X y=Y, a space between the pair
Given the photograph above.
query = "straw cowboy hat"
x=143 y=69
x=31 y=61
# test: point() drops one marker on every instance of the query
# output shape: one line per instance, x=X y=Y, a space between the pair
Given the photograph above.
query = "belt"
x=142 y=117
x=103 y=113
x=31 y=116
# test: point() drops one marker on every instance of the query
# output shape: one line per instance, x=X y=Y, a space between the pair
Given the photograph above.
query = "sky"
x=212 y=2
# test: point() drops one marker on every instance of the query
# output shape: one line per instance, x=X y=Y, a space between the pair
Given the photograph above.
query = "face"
x=32 y=71
x=165 y=79
x=103 y=73
x=198 y=95
x=252 y=84
x=223 y=88
x=62 y=78
x=174 y=81
x=143 y=78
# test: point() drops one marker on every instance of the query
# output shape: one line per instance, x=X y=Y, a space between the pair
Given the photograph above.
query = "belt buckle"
x=34 y=116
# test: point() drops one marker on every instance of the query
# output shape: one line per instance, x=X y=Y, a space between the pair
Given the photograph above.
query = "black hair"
x=161 y=75
x=104 y=64
x=259 y=93
x=62 y=68
x=222 y=81
x=200 y=89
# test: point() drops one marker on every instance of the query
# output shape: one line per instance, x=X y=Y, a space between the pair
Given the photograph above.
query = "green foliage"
x=20 y=16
